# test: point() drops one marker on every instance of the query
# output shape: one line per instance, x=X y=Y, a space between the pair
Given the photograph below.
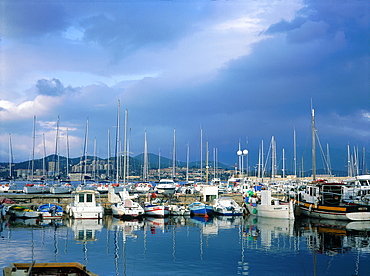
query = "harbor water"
x=192 y=246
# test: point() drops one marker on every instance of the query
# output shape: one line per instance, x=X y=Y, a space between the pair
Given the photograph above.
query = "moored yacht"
x=166 y=186
x=84 y=205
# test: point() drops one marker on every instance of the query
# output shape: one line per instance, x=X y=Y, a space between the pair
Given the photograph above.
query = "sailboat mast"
x=33 y=147
x=187 y=163
x=207 y=153
x=117 y=141
x=174 y=155
x=44 y=159
x=313 y=130
x=125 y=150
x=10 y=157
x=201 y=153
x=67 y=166
x=145 y=159
x=159 y=164
x=295 y=152
x=56 y=157
x=85 y=146
x=108 y=161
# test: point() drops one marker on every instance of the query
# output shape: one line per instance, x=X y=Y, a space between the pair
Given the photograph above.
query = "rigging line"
x=323 y=154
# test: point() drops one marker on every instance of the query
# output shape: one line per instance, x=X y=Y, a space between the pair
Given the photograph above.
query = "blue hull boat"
x=200 y=209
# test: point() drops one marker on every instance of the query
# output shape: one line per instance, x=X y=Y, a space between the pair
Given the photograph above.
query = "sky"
x=220 y=75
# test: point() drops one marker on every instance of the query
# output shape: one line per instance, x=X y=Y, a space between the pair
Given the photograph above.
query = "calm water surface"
x=189 y=246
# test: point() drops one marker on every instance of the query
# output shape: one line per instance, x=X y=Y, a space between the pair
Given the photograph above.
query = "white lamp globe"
x=245 y=152
x=239 y=152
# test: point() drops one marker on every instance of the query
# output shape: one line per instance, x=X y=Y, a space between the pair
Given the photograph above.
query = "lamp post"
x=241 y=154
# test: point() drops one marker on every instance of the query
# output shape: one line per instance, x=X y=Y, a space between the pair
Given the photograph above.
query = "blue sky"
x=242 y=71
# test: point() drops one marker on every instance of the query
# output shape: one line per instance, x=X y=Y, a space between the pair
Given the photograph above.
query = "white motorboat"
x=84 y=205
x=270 y=207
x=141 y=187
x=6 y=185
x=166 y=186
x=179 y=210
x=63 y=187
x=124 y=207
x=36 y=187
x=227 y=206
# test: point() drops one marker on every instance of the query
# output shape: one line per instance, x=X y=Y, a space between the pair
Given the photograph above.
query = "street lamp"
x=242 y=153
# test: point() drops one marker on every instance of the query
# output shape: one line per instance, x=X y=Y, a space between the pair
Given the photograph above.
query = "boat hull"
x=86 y=213
x=280 y=211
x=156 y=210
x=126 y=213
x=201 y=211
x=353 y=212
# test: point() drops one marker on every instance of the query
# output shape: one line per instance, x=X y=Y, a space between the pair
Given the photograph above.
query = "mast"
x=187 y=163
x=67 y=167
x=56 y=157
x=43 y=159
x=283 y=163
x=145 y=159
x=10 y=157
x=85 y=147
x=108 y=161
x=33 y=147
x=125 y=150
x=313 y=130
x=201 y=153
x=94 y=166
x=117 y=141
x=174 y=155
x=207 y=153
x=159 y=164
x=295 y=152
x=273 y=157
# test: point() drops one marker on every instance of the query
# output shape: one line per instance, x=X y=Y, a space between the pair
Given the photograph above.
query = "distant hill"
x=136 y=164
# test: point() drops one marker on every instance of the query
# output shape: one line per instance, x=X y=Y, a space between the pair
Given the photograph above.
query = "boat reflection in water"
x=334 y=237
x=176 y=245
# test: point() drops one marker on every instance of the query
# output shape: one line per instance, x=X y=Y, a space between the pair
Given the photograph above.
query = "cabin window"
x=81 y=198
x=81 y=235
x=89 y=198
x=89 y=234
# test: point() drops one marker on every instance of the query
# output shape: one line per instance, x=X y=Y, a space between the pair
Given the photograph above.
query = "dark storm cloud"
x=133 y=28
x=51 y=87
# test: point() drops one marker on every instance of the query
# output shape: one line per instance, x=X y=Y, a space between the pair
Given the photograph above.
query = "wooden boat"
x=67 y=269
x=200 y=209
x=226 y=206
x=270 y=207
x=325 y=200
x=85 y=206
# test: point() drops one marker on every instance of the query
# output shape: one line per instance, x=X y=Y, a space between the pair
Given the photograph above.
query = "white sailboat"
x=35 y=187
